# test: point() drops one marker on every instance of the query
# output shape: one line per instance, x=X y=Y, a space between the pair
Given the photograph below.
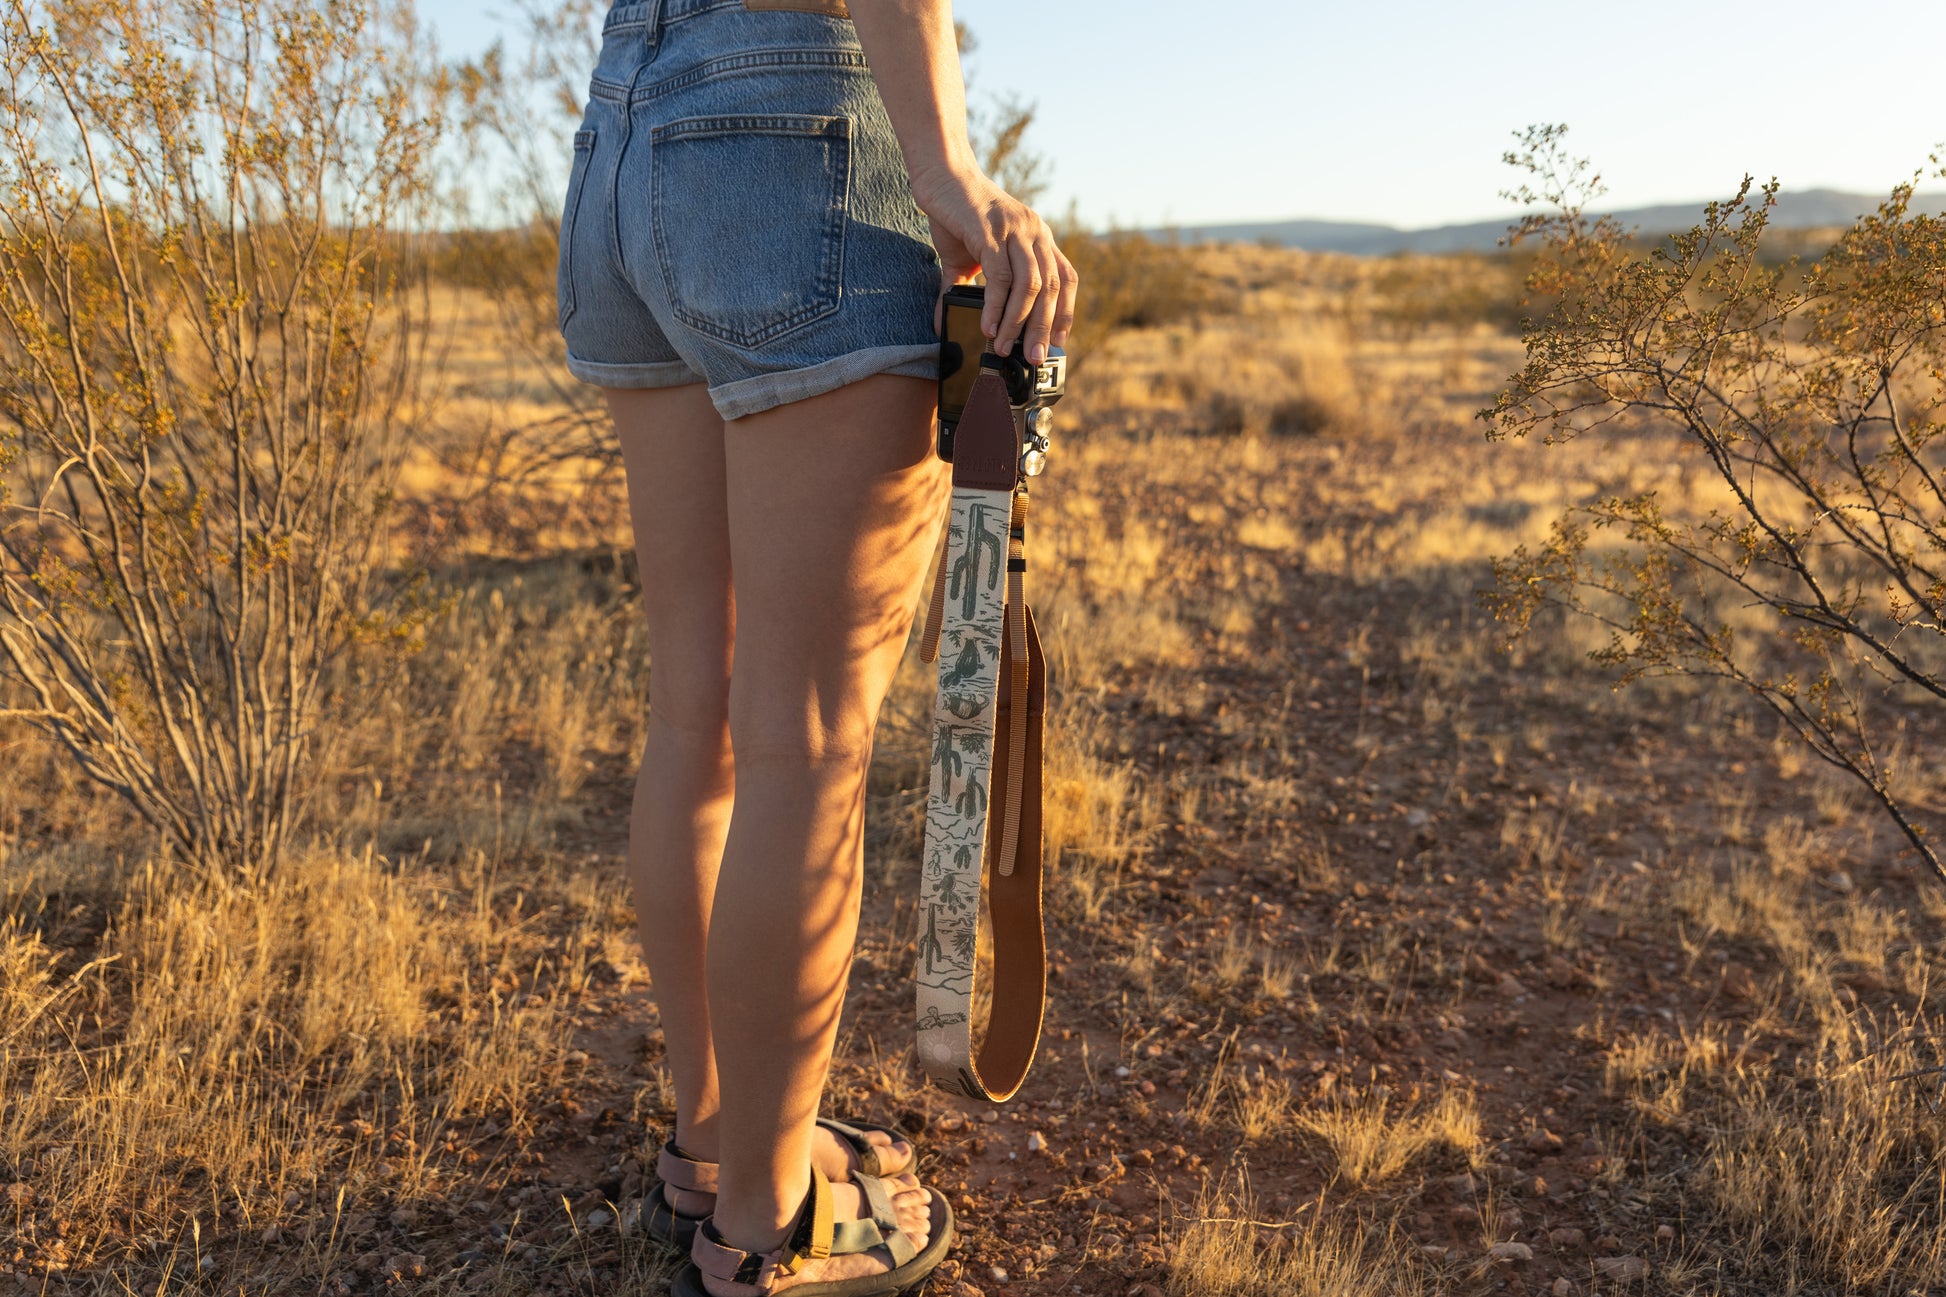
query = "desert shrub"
x=1131 y=281
x=210 y=322
x=1813 y=574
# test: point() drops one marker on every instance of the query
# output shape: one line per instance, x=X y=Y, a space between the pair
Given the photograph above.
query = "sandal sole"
x=909 y=1280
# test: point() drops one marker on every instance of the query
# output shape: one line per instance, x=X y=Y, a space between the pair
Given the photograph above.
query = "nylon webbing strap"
x=987 y=719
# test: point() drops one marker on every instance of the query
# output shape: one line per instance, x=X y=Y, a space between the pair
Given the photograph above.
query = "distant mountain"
x=1810 y=209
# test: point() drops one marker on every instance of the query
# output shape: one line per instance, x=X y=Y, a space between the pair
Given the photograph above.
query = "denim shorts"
x=738 y=212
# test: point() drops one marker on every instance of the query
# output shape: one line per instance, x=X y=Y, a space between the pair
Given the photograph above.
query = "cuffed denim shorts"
x=738 y=212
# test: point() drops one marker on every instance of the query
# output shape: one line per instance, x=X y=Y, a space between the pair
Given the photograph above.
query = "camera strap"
x=983 y=805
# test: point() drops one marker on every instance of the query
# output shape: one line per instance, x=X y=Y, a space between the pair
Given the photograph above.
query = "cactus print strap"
x=986 y=766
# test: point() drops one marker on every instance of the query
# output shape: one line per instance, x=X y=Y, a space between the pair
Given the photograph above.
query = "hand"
x=977 y=226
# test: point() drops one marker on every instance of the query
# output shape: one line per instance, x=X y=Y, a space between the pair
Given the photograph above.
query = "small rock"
x=406 y=1265
x=293 y=1199
x=1567 y=1236
x=1121 y=1073
x=989 y=1117
x=207 y=1264
x=1622 y=1268
x=1608 y=1243
x=271 y=1236
x=1663 y=1233
x=1461 y=1184
x=997 y=1273
x=1559 y=973
x=965 y=1289
x=470 y=1257
x=1036 y=1143
x=1509 y=986
x=577 y=1058
x=1433 y=1251
x=19 y=1195
x=1544 y=1141
x=1511 y=1252
x=1562 y=1288
x=597 y=1218
x=1839 y=881
x=1739 y=983
x=1417 y=817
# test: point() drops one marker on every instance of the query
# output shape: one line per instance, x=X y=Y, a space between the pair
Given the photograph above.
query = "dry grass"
x=277 y=1054
x=1371 y=1142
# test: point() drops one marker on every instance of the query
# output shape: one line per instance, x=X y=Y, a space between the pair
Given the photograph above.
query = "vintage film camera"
x=1031 y=389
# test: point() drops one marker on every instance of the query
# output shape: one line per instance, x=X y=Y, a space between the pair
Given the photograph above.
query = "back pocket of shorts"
x=749 y=217
x=584 y=152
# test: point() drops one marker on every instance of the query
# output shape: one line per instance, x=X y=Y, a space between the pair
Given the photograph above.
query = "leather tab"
x=986 y=444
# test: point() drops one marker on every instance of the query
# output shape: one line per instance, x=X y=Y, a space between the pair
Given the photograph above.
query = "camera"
x=1031 y=389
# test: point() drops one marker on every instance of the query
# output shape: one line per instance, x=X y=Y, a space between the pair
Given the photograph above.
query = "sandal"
x=669 y=1224
x=815 y=1235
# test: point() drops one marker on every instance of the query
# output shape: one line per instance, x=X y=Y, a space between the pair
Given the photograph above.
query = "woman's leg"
x=835 y=504
x=672 y=449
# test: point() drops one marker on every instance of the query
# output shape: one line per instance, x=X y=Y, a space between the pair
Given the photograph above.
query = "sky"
x=1398 y=111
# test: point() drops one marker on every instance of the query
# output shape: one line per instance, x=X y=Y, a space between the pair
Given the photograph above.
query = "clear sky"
x=1398 y=110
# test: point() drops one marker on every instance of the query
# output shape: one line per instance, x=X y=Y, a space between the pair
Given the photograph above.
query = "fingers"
x=1030 y=284
x=1064 y=301
x=1040 y=316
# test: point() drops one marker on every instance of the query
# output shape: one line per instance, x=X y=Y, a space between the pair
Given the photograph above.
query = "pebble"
x=1509 y=986
x=1567 y=1236
x=1608 y=1243
x=1121 y=1073
x=406 y=1265
x=1622 y=1267
x=1562 y=1288
x=597 y=1218
x=1664 y=1233
x=1544 y=1141
x=1511 y=1252
x=997 y=1273
x=1036 y=1143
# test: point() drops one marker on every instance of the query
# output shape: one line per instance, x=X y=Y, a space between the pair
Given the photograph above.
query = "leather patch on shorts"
x=835 y=8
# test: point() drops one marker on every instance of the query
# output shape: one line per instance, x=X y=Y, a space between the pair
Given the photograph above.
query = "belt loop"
x=652 y=32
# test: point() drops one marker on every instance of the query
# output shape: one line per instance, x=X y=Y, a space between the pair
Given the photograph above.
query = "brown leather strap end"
x=1019 y=940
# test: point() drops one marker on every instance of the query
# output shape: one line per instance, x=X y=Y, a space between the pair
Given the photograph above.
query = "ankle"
x=698 y=1140
x=757 y=1223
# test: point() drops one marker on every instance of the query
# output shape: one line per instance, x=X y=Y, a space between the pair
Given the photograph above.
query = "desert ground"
x=1388 y=956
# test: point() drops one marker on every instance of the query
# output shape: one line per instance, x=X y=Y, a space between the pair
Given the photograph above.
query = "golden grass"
x=1222 y=1248
x=273 y=1045
x=1372 y=1140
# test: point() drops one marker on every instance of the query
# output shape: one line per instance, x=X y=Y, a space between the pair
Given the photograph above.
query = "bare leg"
x=672 y=449
x=835 y=505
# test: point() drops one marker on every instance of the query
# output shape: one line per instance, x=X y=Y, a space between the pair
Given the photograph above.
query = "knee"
x=699 y=717
x=801 y=736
